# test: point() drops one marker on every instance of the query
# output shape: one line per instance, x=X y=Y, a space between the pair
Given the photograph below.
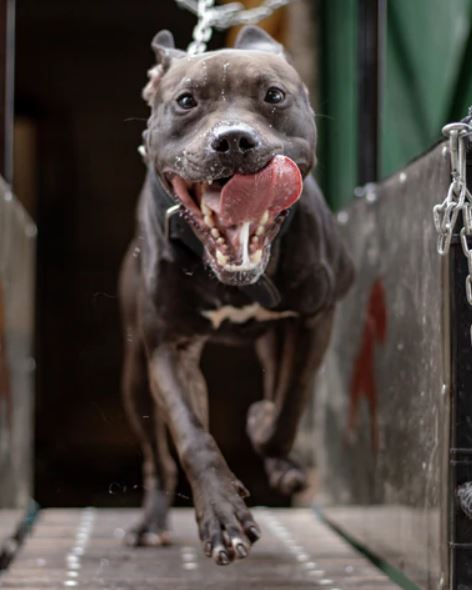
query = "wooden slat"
x=296 y=552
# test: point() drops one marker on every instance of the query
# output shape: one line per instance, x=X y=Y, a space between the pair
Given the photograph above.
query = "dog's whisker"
x=134 y=119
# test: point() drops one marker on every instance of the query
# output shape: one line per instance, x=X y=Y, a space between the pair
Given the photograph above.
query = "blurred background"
x=385 y=75
x=80 y=68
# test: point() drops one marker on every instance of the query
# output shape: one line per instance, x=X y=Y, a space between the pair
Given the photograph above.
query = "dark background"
x=80 y=68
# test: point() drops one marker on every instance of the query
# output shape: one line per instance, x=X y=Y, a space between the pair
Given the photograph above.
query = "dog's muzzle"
x=237 y=217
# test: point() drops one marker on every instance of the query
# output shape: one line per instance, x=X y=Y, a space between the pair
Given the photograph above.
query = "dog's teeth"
x=215 y=233
x=208 y=219
x=205 y=209
x=220 y=241
x=264 y=218
x=259 y=230
x=221 y=258
x=257 y=256
x=255 y=239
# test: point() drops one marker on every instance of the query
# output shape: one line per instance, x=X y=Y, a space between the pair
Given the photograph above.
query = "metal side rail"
x=14 y=529
x=84 y=549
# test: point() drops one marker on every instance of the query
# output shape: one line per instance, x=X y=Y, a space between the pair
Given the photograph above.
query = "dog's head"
x=231 y=136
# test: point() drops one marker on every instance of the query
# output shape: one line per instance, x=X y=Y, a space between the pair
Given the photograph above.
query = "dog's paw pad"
x=260 y=422
x=145 y=538
x=285 y=476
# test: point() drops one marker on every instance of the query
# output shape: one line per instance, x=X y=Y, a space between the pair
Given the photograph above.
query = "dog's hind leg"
x=159 y=470
x=274 y=350
x=289 y=358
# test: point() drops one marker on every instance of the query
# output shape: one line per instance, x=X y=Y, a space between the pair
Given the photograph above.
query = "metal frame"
x=7 y=51
x=370 y=54
x=460 y=462
x=382 y=414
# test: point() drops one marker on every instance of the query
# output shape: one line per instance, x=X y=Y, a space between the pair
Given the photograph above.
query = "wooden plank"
x=84 y=549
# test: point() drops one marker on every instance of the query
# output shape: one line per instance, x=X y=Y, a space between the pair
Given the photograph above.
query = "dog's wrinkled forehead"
x=255 y=60
x=231 y=70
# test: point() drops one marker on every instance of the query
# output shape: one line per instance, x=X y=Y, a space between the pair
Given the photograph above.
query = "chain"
x=458 y=200
x=203 y=30
x=223 y=17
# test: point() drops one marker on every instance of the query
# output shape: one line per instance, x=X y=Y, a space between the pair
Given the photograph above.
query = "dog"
x=234 y=243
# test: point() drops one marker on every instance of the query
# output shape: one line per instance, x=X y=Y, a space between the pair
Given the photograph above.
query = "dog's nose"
x=234 y=141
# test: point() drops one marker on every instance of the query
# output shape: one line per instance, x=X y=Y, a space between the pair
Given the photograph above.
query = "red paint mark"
x=363 y=377
x=5 y=391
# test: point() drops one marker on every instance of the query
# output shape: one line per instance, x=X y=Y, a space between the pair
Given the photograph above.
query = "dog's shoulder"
x=315 y=263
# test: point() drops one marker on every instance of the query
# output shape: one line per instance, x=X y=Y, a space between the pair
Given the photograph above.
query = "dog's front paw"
x=226 y=527
x=260 y=424
x=285 y=475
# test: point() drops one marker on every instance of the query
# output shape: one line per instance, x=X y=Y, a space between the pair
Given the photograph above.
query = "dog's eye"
x=186 y=101
x=274 y=95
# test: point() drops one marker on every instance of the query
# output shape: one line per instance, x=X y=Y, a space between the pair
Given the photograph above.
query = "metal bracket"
x=170 y=212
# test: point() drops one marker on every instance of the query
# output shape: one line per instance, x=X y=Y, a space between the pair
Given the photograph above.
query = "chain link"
x=203 y=30
x=223 y=17
x=458 y=200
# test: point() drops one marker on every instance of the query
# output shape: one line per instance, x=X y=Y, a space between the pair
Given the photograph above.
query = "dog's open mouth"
x=237 y=217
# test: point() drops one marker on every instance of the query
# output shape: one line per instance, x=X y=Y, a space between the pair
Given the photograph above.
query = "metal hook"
x=170 y=212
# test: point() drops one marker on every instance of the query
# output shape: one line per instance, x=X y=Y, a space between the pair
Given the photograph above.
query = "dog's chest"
x=241 y=315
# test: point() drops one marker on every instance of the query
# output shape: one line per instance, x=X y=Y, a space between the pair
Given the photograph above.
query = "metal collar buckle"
x=170 y=212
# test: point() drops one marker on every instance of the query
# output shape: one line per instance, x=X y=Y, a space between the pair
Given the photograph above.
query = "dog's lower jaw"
x=238 y=275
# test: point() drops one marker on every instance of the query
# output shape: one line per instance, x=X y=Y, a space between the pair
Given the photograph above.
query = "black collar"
x=176 y=228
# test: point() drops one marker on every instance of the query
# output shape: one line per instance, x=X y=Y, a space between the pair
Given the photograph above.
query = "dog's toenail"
x=241 y=550
x=223 y=558
x=254 y=534
x=242 y=490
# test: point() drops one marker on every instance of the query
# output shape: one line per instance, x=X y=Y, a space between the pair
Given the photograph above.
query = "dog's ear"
x=252 y=37
x=163 y=46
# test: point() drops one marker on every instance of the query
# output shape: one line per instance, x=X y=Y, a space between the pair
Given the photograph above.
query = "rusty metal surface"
x=382 y=410
x=17 y=246
x=83 y=549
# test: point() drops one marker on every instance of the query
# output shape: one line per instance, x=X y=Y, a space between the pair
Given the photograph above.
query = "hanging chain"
x=223 y=17
x=203 y=30
x=458 y=200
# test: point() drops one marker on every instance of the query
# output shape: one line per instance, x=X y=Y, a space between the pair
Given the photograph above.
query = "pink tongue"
x=247 y=196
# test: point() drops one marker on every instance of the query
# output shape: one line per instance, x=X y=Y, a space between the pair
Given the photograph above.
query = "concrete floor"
x=84 y=549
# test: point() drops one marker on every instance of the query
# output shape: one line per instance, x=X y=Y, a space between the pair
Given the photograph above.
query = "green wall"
x=427 y=81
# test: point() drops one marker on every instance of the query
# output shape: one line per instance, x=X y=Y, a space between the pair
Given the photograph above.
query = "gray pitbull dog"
x=254 y=256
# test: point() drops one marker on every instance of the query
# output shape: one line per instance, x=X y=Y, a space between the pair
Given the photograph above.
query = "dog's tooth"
x=265 y=218
x=257 y=256
x=210 y=181
x=208 y=219
x=255 y=239
x=205 y=209
x=220 y=241
x=215 y=233
x=221 y=258
x=259 y=230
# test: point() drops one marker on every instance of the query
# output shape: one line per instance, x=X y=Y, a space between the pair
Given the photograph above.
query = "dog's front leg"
x=272 y=423
x=226 y=526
